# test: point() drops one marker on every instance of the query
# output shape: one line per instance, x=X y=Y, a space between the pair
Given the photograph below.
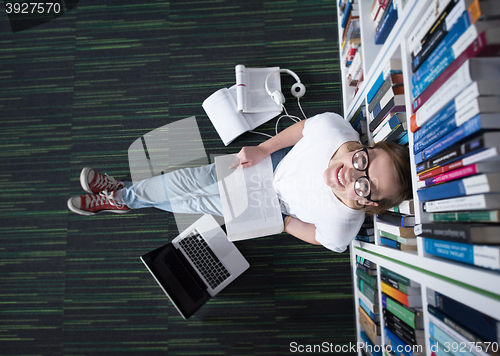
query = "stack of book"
x=386 y=105
x=369 y=315
x=396 y=230
x=366 y=233
x=456 y=123
x=384 y=14
x=351 y=42
x=402 y=312
x=358 y=122
x=351 y=37
x=453 y=323
x=406 y=207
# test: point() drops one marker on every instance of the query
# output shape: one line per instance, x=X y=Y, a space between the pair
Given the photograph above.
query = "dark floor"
x=77 y=92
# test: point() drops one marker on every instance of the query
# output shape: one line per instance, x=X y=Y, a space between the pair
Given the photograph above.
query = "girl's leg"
x=187 y=190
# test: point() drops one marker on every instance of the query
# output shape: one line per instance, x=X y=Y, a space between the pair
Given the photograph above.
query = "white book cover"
x=250 y=204
x=230 y=123
x=252 y=96
x=470 y=202
x=484 y=71
x=432 y=12
x=473 y=347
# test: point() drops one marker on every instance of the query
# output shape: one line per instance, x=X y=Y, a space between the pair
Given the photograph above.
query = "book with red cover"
x=475 y=168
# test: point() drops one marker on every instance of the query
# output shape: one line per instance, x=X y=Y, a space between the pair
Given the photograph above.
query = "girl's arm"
x=301 y=230
x=250 y=156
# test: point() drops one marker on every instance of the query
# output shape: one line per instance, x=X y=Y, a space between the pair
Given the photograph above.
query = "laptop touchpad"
x=221 y=244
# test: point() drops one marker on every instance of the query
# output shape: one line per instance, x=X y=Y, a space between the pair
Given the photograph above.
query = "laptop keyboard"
x=204 y=259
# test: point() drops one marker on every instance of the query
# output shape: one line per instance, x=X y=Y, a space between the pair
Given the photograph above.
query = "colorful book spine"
x=411 y=317
x=393 y=67
x=462 y=172
x=426 y=22
x=401 y=297
x=448 y=119
x=402 y=240
x=484 y=142
x=347 y=12
x=477 y=255
x=469 y=202
x=437 y=32
x=371 y=314
x=479 y=184
x=363 y=261
x=388 y=22
x=401 y=279
x=453 y=80
x=469 y=128
x=477 y=322
x=371 y=346
x=482 y=183
x=368 y=291
x=397 y=344
x=442 y=52
x=443 y=338
x=370 y=280
x=412 y=333
x=400 y=286
x=467 y=216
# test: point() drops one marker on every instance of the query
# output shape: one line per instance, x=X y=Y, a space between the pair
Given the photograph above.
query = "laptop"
x=196 y=265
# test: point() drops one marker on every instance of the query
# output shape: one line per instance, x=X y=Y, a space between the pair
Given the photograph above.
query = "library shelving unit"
x=475 y=287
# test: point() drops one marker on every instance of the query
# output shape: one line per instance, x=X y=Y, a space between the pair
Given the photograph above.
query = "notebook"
x=196 y=265
x=249 y=202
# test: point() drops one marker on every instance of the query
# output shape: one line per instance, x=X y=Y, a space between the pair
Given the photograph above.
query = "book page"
x=251 y=84
x=222 y=111
x=249 y=201
x=253 y=119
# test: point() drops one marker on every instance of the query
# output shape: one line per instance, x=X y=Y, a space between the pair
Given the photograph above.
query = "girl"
x=325 y=179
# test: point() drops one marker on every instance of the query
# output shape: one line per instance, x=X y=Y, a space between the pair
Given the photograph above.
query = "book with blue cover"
x=440 y=52
x=475 y=125
x=394 y=66
x=478 y=184
x=479 y=40
x=388 y=22
x=477 y=322
x=447 y=120
x=484 y=256
x=438 y=31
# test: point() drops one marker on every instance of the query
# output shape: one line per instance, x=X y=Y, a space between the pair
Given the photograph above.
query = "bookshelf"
x=476 y=287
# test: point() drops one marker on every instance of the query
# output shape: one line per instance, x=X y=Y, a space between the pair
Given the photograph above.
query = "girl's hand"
x=249 y=156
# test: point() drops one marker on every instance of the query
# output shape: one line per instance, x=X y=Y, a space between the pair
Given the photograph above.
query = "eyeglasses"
x=362 y=185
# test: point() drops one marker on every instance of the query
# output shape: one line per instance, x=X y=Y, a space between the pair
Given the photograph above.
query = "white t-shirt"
x=298 y=180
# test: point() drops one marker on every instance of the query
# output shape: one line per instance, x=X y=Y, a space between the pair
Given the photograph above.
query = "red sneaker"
x=95 y=182
x=92 y=204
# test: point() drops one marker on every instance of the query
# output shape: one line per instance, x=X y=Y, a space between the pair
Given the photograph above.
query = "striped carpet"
x=77 y=92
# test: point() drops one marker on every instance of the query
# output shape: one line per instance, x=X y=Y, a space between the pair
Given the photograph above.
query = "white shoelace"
x=106 y=182
x=103 y=198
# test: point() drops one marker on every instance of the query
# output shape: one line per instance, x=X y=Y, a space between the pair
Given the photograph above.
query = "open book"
x=230 y=123
x=249 y=202
x=251 y=89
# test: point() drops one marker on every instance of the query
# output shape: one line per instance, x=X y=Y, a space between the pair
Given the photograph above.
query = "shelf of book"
x=429 y=283
x=470 y=277
x=459 y=276
x=374 y=57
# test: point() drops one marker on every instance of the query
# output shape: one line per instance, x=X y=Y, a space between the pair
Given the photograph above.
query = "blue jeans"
x=187 y=190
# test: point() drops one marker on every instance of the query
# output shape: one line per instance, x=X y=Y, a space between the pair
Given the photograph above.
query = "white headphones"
x=298 y=89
